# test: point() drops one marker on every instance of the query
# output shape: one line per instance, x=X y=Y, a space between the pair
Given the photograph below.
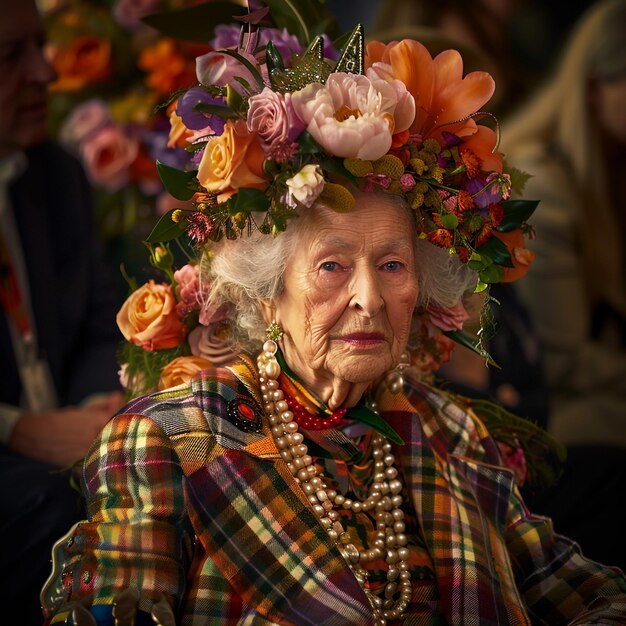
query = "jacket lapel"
x=261 y=531
x=462 y=504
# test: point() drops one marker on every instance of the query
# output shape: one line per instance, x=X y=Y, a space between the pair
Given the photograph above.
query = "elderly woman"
x=317 y=478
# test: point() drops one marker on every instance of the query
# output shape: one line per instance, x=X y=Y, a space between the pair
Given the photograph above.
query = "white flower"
x=306 y=185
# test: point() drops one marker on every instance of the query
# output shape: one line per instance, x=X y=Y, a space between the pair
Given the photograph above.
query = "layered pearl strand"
x=384 y=498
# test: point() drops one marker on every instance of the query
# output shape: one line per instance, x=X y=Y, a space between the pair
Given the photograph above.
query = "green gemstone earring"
x=274 y=331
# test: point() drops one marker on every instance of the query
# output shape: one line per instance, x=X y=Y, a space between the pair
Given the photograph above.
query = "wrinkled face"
x=24 y=77
x=349 y=293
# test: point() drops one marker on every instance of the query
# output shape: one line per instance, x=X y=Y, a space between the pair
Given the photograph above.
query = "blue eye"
x=392 y=266
x=329 y=266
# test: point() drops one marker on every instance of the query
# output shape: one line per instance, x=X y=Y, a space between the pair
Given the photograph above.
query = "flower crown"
x=274 y=126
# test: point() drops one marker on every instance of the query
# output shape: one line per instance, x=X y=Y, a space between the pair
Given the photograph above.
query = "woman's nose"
x=367 y=298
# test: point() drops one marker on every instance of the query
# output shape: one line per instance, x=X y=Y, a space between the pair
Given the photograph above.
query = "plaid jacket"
x=188 y=497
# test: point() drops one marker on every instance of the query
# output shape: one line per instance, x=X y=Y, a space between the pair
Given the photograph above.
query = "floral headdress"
x=275 y=125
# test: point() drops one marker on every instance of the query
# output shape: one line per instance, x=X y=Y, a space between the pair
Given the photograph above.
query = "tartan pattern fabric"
x=182 y=503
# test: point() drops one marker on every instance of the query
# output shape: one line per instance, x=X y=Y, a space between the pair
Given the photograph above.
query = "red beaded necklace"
x=309 y=421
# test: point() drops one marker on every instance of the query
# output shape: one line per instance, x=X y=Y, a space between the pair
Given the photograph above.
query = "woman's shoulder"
x=221 y=400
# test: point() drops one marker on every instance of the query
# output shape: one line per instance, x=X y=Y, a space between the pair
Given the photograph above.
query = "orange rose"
x=181 y=370
x=86 y=60
x=520 y=255
x=232 y=161
x=148 y=318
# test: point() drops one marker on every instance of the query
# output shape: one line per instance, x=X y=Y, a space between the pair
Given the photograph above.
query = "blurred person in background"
x=572 y=139
x=58 y=338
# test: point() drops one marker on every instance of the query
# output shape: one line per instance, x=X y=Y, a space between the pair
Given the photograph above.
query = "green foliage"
x=179 y=184
x=516 y=212
x=166 y=229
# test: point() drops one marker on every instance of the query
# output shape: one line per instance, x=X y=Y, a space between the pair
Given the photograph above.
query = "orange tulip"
x=443 y=97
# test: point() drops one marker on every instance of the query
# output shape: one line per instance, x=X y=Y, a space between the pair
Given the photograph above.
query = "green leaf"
x=463 y=338
x=179 y=184
x=273 y=58
x=249 y=201
x=303 y=17
x=196 y=23
x=308 y=145
x=449 y=221
x=234 y=100
x=496 y=251
x=215 y=109
x=335 y=166
x=166 y=229
x=518 y=179
x=491 y=274
x=516 y=212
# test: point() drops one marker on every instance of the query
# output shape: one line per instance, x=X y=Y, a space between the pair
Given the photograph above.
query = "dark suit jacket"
x=72 y=295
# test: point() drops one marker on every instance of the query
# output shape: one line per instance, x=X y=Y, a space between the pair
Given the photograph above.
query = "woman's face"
x=349 y=293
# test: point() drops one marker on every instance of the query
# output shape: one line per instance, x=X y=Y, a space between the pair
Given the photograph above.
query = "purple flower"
x=196 y=120
x=483 y=194
x=227 y=36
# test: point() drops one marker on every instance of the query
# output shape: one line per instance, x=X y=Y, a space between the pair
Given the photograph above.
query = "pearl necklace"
x=384 y=499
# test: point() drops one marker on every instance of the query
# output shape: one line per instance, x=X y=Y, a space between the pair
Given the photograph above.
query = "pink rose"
x=271 y=115
x=211 y=342
x=84 y=120
x=108 y=155
x=149 y=319
x=448 y=319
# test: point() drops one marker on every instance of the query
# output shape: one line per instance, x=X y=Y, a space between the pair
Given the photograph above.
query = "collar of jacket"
x=458 y=490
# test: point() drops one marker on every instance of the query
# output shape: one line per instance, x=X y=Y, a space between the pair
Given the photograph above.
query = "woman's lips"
x=364 y=340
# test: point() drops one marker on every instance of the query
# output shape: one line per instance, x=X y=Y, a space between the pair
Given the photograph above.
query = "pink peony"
x=271 y=115
x=108 y=155
x=353 y=116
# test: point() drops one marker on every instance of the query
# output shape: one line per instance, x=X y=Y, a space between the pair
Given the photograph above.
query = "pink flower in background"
x=129 y=12
x=107 y=155
x=448 y=319
x=87 y=118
